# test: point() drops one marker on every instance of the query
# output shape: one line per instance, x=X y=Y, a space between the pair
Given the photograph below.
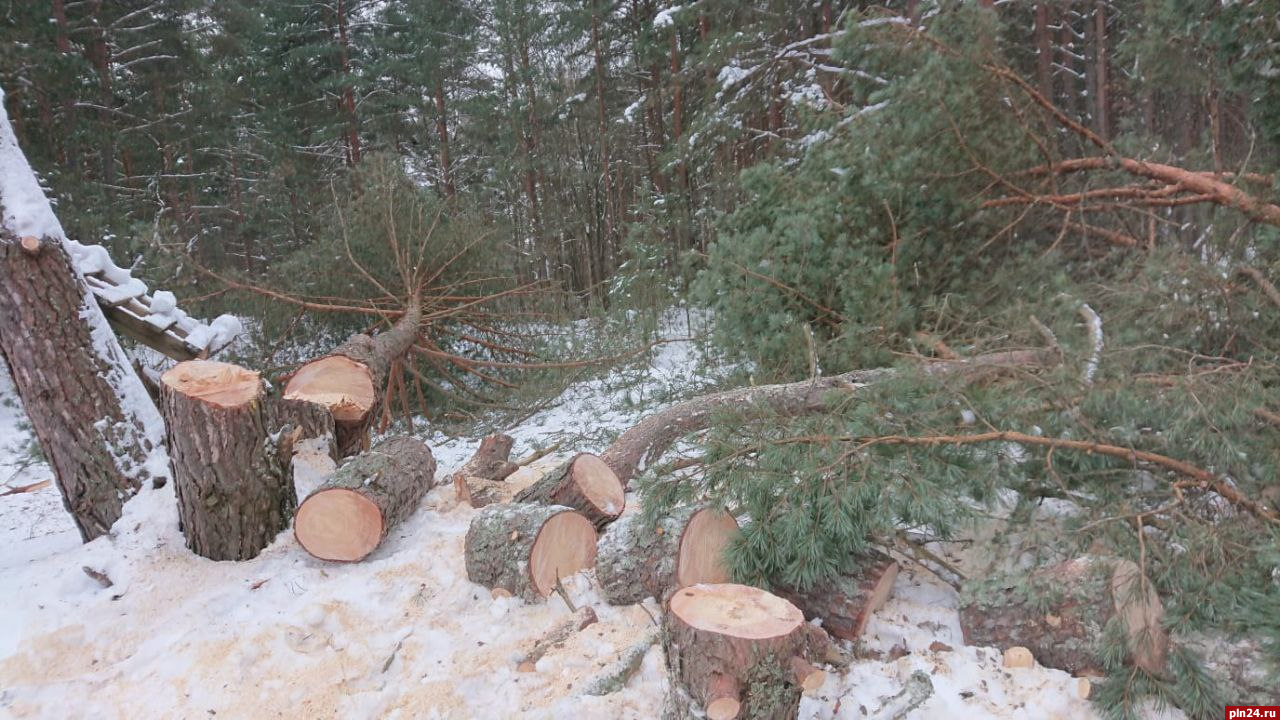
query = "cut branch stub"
x=482 y=480
x=732 y=647
x=231 y=472
x=526 y=549
x=584 y=483
x=636 y=560
x=350 y=514
x=1059 y=613
x=846 y=602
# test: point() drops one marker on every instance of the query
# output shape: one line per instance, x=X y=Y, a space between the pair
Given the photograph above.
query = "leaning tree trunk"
x=738 y=651
x=526 y=549
x=350 y=514
x=1059 y=613
x=93 y=417
x=584 y=483
x=651 y=437
x=846 y=602
x=351 y=380
x=231 y=468
x=636 y=560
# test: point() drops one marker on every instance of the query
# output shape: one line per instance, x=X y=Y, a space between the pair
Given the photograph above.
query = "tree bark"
x=231 y=469
x=635 y=560
x=737 y=651
x=482 y=481
x=442 y=127
x=350 y=514
x=1059 y=613
x=526 y=549
x=846 y=602
x=90 y=412
x=651 y=437
x=351 y=379
x=584 y=483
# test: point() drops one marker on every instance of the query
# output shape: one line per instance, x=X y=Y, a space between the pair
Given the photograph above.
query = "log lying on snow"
x=636 y=560
x=651 y=437
x=526 y=549
x=846 y=602
x=481 y=481
x=718 y=636
x=353 y=510
x=1059 y=612
x=350 y=380
x=584 y=483
x=231 y=469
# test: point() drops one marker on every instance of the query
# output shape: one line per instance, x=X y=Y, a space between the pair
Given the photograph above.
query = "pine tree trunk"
x=737 y=651
x=231 y=468
x=442 y=127
x=584 y=483
x=350 y=514
x=846 y=602
x=526 y=549
x=635 y=560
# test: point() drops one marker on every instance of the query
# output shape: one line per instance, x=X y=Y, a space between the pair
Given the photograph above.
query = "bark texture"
x=845 y=603
x=1059 y=613
x=392 y=476
x=711 y=668
x=651 y=437
x=232 y=475
x=635 y=560
x=500 y=543
x=566 y=485
x=69 y=384
x=482 y=480
x=307 y=420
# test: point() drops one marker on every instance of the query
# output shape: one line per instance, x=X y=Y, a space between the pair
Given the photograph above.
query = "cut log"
x=350 y=380
x=636 y=560
x=1058 y=613
x=350 y=514
x=651 y=437
x=736 y=651
x=526 y=548
x=231 y=468
x=580 y=619
x=584 y=483
x=616 y=676
x=480 y=481
x=846 y=602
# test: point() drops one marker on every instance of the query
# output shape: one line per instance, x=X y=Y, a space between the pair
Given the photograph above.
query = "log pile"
x=526 y=548
x=584 y=483
x=231 y=468
x=350 y=514
x=636 y=560
x=737 y=651
x=1059 y=612
x=846 y=602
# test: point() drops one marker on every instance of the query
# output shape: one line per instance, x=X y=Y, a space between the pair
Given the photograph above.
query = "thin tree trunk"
x=1103 y=73
x=442 y=127
x=348 y=101
x=1044 y=51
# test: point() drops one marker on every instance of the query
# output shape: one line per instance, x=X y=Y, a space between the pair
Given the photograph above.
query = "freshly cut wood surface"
x=636 y=560
x=336 y=382
x=584 y=483
x=526 y=548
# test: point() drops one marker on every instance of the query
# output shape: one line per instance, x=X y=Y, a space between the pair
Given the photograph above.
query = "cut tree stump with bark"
x=482 y=480
x=1059 y=613
x=584 y=483
x=350 y=381
x=309 y=419
x=352 y=511
x=646 y=441
x=636 y=560
x=737 y=651
x=846 y=602
x=526 y=548
x=231 y=467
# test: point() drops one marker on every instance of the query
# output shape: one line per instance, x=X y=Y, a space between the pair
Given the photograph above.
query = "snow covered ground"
x=404 y=634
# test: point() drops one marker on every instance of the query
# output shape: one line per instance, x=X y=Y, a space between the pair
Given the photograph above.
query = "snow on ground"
x=403 y=634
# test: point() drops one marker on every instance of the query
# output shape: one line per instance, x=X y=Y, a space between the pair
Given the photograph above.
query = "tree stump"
x=482 y=480
x=525 y=548
x=584 y=483
x=1059 y=613
x=736 y=651
x=636 y=560
x=845 y=603
x=350 y=514
x=309 y=419
x=231 y=474
x=350 y=380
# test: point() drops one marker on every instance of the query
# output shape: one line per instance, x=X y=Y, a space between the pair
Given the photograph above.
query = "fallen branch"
x=556 y=635
x=616 y=676
x=1262 y=282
